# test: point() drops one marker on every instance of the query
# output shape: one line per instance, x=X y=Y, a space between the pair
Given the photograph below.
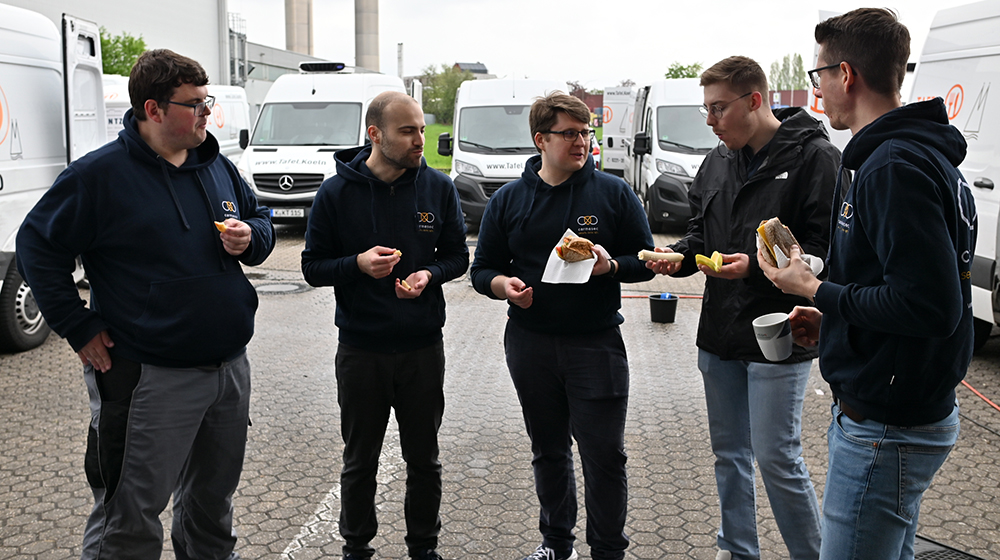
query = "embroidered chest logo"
x=425 y=222
x=844 y=218
x=588 y=224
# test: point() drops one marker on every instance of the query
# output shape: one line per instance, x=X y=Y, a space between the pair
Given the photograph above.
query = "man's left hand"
x=603 y=264
x=417 y=282
x=734 y=266
x=236 y=238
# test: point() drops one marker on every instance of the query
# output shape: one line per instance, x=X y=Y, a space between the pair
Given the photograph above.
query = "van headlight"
x=467 y=168
x=669 y=167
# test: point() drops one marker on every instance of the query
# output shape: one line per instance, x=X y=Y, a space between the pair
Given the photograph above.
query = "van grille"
x=491 y=187
x=292 y=182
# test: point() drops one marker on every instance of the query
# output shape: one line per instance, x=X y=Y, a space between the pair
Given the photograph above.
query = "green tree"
x=788 y=74
x=119 y=53
x=678 y=70
x=440 y=88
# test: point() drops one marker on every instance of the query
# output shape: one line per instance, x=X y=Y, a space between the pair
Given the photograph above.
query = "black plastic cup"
x=662 y=308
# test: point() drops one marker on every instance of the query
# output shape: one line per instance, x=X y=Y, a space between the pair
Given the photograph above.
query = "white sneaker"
x=545 y=553
x=724 y=555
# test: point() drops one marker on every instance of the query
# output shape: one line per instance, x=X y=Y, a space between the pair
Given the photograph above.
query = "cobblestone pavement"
x=287 y=504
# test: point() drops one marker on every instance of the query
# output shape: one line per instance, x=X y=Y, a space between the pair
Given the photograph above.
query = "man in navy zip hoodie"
x=164 y=339
x=563 y=343
x=386 y=232
x=894 y=318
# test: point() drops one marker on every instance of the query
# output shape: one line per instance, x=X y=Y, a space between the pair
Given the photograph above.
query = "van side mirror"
x=244 y=138
x=444 y=144
x=640 y=146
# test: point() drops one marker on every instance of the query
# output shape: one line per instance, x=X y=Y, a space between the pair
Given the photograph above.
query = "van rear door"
x=86 y=122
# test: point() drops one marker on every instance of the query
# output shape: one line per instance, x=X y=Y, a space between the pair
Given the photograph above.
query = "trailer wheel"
x=22 y=326
x=981 y=333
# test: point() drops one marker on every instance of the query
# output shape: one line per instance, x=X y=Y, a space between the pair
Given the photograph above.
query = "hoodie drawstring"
x=173 y=193
x=208 y=204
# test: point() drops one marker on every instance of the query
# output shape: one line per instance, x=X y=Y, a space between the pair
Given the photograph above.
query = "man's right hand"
x=95 y=352
x=378 y=261
x=664 y=267
x=805 y=322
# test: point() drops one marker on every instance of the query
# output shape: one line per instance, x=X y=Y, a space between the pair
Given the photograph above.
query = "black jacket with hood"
x=161 y=283
x=418 y=214
x=897 y=329
x=795 y=183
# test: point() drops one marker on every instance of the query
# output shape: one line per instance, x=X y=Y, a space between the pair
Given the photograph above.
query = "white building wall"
x=194 y=28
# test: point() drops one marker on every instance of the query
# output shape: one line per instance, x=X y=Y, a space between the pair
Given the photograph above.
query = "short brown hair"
x=156 y=74
x=873 y=41
x=545 y=111
x=739 y=73
x=376 y=109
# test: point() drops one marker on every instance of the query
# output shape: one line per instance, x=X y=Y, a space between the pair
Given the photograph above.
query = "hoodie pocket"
x=201 y=319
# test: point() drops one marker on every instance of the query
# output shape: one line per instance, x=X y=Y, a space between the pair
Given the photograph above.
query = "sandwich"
x=575 y=249
x=776 y=238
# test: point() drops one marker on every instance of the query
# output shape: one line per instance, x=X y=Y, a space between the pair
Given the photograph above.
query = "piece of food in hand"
x=647 y=255
x=221 y=227
x=405 y=285
x=398 y=253
x=772 y=233
x=714 y=262
x=575 y=249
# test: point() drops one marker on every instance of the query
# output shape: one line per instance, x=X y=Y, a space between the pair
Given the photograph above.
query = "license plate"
x=288 y=212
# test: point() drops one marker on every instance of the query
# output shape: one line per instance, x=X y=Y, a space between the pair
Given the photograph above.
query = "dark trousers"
x=575 y=387
x=369 y=384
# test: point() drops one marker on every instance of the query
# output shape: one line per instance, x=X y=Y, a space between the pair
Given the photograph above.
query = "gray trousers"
x=180 y=431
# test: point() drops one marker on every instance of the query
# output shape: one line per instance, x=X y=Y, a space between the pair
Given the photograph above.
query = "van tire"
x=654 y=226
x=981 y=333
x=22 y=326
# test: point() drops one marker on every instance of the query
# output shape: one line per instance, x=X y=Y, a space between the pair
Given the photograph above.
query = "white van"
x=670 y=140
x=229 y=121
x=619 y=106
x=304 y=120
x=493 y=138
x=36 y=118
x=960 y=62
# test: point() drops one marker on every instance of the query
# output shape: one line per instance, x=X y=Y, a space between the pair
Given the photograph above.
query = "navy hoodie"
x=523 y=222
x=161 y=283
x=896 y=336
x=418 y=214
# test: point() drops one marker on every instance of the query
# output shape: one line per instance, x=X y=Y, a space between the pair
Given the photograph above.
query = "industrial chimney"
x=299 y=26
x=366 y=34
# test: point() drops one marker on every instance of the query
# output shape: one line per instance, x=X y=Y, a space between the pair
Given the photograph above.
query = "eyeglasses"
x=814 y=73
x=199 y=108
x=570 y=135
x=718 y=110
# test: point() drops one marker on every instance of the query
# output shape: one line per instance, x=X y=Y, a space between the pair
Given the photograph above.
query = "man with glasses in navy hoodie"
x=894 y=318
x=163 y=342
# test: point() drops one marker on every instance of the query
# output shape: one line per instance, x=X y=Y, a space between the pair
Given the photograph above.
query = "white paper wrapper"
x=558 y=271
x=815 y=263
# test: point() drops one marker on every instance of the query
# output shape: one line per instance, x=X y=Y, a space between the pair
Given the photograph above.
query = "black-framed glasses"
x=570 y=135
x=199 y=108
x=814 y=73
x=718 y=110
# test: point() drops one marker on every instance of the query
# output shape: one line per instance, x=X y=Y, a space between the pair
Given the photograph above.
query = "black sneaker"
x=429 y=554
x=545 y=553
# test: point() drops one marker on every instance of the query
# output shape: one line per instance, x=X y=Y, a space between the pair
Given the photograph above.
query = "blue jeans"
x=878 y=474
x=755 y=412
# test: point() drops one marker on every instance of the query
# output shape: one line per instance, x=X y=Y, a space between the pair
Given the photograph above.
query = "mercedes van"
x=960 y=63
x=51 y=113
x=670 y=140
x=492 y=138
x=619 y=105
x=305 y=119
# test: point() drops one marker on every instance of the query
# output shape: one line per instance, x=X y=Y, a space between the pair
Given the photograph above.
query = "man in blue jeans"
x=768 y=164
x=894 y=318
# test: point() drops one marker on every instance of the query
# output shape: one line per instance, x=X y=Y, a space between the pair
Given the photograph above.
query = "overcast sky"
x=596 y=42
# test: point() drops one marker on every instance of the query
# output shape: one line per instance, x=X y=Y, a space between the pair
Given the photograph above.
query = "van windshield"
x=487 y=130
x=308 y=124
x=683 y=129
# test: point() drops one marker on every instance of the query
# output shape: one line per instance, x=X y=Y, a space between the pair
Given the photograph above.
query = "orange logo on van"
x=607 y=114
x=817 y=106
x=4 y=121
x=954 y=100
x=219 y=116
